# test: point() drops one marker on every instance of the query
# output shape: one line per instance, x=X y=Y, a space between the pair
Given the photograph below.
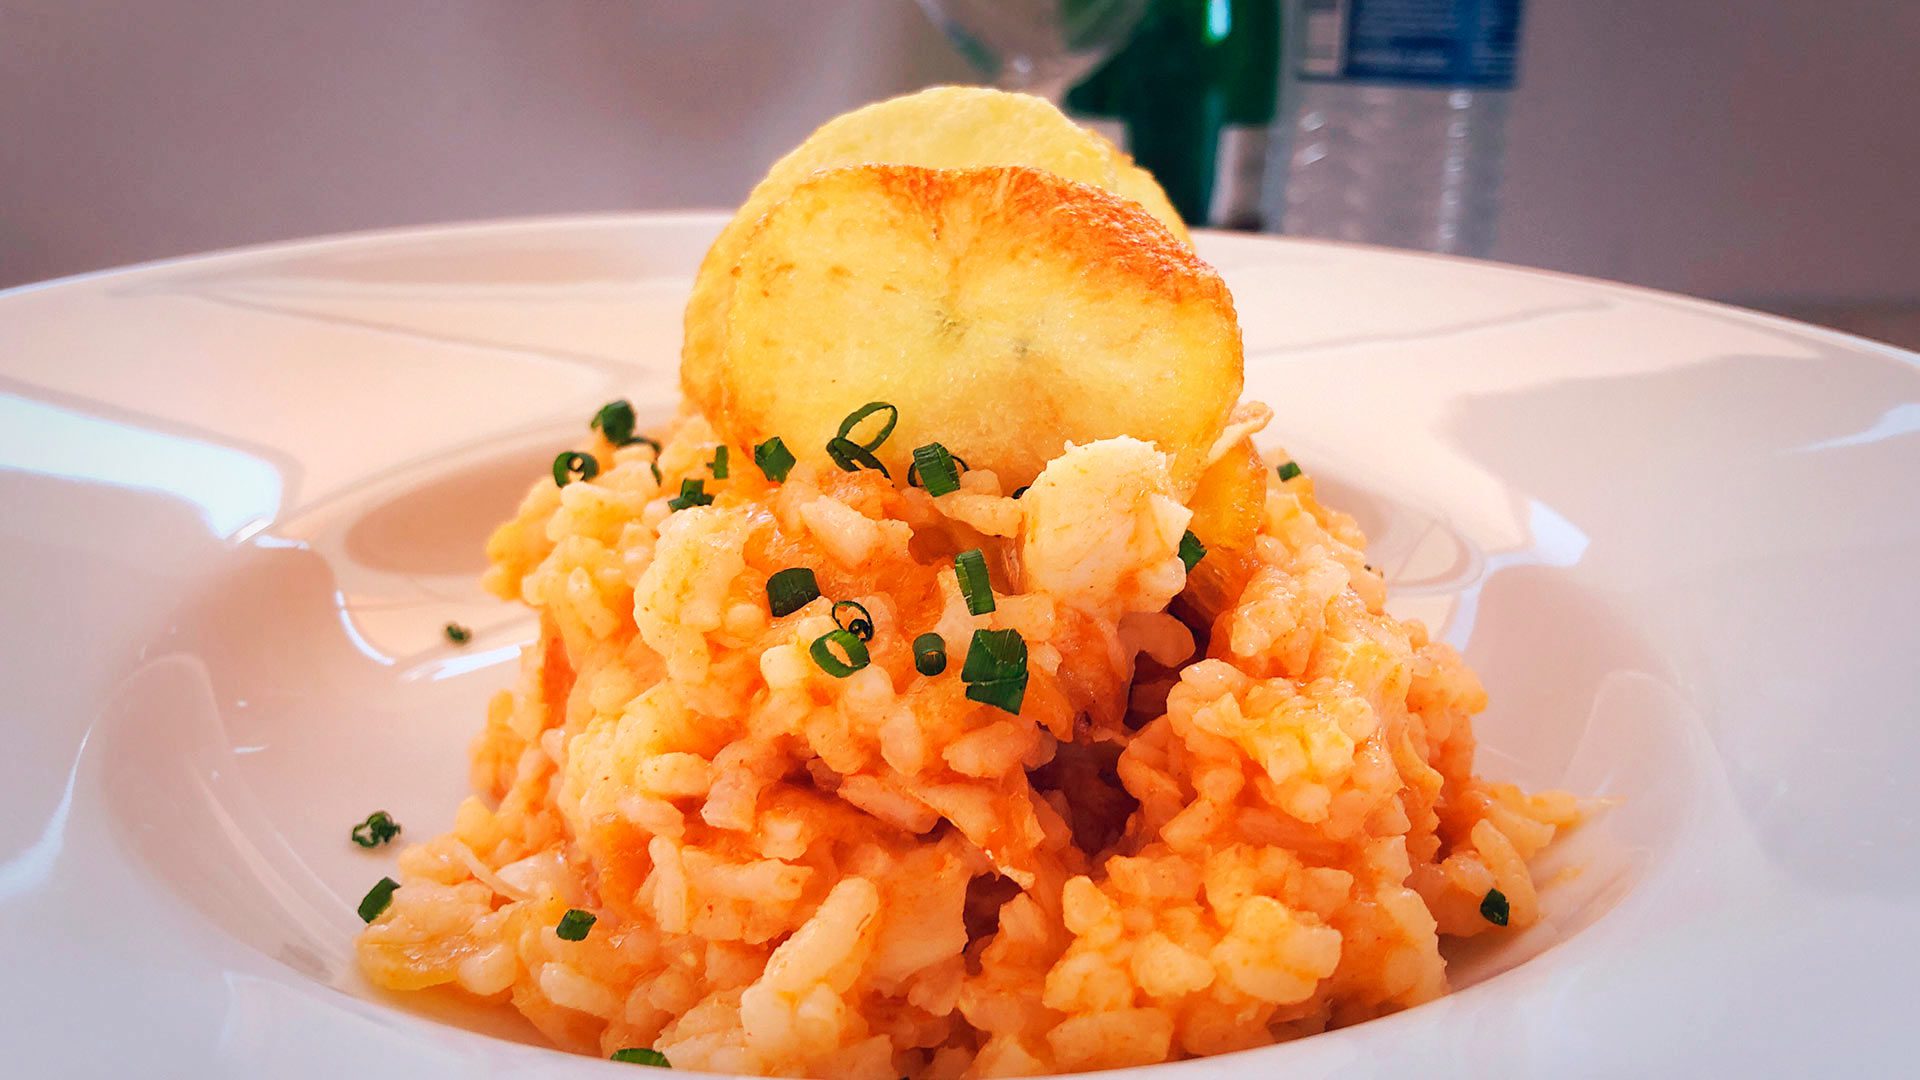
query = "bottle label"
x=1469 y=43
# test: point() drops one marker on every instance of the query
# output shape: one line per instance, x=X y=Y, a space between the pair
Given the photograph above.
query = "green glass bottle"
x=1192 y=96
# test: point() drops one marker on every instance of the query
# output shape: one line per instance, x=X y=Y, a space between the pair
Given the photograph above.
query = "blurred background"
x=1765 y=152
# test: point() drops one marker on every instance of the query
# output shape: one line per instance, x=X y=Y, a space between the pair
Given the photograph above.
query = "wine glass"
x=1038 y=46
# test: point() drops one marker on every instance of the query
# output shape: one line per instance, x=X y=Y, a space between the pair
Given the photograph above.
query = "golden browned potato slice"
x=1227 y=506
x=1005 y=311
x=946 y=127
x=1136 y=183
x=1228 y=501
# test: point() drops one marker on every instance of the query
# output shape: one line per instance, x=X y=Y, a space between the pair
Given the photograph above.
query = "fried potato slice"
x=1004 y=311
x=1136 y=183
x=1133 y=182
x=1229 y=499
x=945 y=127
x=1227 y=506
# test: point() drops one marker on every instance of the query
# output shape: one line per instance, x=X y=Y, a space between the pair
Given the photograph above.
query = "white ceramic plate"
x=242 y=494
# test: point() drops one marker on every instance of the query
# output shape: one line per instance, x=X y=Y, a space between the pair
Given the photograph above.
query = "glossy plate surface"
x=244 y=493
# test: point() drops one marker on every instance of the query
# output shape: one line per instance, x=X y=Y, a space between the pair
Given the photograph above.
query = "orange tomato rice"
x=1191 y=839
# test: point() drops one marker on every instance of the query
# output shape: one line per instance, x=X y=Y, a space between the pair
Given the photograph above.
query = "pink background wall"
x=1766 y=150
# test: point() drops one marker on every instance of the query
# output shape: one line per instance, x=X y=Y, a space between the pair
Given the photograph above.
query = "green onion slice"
x=693 y=492
x=852 y=457
x=1191 y=550
x=1005 y=695
x=458 y=634
x=1494 y=909
x=574 y=465
x=936 y=469
x=995 y=655
x=853 y=420
x=929 y=654
x=970 y=566
x=996 y=669
x=377 y=899
x=774 y=459
x=642 y=1055
x=1021 y=490
x=1288 y=470
x=791 y=589
x=655 y=466
x=379 y=828
x=573 y=926
x=719 y=463
x=856 y=621
x=615 y=421
x=850 y=644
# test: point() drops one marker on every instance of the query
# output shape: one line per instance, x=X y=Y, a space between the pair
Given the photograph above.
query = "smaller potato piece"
x=1004 y=311
x=1214 y=586
x=1227 y=506
x=1229 y=499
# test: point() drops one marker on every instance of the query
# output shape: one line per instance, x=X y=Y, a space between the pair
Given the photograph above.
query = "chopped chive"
x=970 y=566
x=852 y=457
x=857 y=621
x=693 y=492
x=929 y=654
x=995 y=655
x=573 y=926
x=1191 y=550
x=774 y=459
x=1021 y=490
x=853 y=420
x=379 y=828
x=642 y=1055
x=615 y=421
x=996 y=669
x=377 y=899
x=719 y=463
x=850 y=644
x=458 y=634
x=1288 y=470
x=936 y=469
x=1494 y=909
x=574 y=465
x=655 y=466
x=1005 y=694
x=791 y=589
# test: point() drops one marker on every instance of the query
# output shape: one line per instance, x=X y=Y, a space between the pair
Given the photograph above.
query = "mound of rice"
x=1176 y=848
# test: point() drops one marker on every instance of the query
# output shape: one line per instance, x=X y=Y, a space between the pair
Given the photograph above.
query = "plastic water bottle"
x=1399 y=121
